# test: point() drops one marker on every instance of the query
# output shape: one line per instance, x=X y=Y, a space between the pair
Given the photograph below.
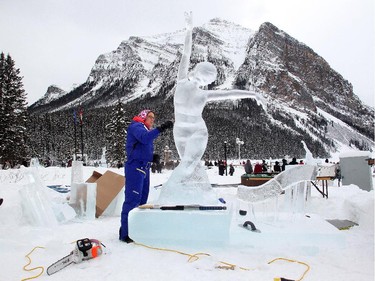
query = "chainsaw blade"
x=60 y=264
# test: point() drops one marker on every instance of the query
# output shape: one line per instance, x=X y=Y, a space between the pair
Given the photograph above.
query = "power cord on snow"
x=34 y=268
x=226 y=265
x=289 y=260
x=192 y=257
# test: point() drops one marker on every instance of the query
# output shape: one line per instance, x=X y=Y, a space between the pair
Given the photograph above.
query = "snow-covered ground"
x=335 y=255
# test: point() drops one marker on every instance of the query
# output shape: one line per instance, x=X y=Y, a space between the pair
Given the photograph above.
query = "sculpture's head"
x=204 y=73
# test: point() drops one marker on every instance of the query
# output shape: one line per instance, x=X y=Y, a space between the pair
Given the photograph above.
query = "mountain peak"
x=53 y=93
x=218 y=20
x=268 y=25
x=53 y=89
x=224 y=23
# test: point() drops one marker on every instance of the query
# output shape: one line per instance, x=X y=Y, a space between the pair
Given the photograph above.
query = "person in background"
x=258 y=168
x=277 y=167
x=159 y=167
x=294 y=161
x=284 y=164
x=139 y=150
x=338 y=173
x=248 y=167
x=221 y=167
x=231 y=169
x=301 y=162
x=264 y=166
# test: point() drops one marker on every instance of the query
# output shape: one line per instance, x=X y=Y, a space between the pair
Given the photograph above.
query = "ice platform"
x=187 y=227
x=307 y=233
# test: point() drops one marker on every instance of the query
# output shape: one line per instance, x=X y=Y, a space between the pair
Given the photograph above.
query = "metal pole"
x=82 y=142
x=225 y=156
x=75 y=133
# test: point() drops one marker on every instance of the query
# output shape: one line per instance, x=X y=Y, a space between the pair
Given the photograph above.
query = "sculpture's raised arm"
x=236 y=94
x=185 y=59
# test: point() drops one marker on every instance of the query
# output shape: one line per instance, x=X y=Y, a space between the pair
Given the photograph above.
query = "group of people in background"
x=222 y=166
x=263 y=167
x=258 y=168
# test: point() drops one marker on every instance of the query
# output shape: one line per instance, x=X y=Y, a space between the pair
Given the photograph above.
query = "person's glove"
x=166 y=125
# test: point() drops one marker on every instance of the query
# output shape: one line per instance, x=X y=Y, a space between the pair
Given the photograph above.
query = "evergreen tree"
x=13 y=113
x=115 y=135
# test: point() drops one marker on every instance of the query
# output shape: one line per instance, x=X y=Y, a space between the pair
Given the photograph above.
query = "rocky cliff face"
x=294 y=74
x=307 y=98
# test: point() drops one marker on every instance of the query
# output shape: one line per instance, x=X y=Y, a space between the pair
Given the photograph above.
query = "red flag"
x=80 y=116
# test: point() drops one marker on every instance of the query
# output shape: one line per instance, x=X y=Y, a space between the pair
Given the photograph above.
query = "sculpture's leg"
x=194 y=150
x=180 y=140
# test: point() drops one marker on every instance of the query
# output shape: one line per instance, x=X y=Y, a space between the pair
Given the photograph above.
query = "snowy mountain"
x=307 y=98
x=141 y=65
x=53 y=93
x=294 y=75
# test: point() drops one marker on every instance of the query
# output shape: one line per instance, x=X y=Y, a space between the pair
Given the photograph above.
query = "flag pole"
x=75 y=133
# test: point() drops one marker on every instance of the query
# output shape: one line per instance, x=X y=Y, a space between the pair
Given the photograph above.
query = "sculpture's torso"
x=189 y=99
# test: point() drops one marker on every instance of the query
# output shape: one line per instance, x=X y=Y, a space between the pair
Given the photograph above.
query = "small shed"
x=355 y=169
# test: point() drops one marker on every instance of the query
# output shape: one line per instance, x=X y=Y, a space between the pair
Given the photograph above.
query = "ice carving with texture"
x=189 y=184
x=278 y=184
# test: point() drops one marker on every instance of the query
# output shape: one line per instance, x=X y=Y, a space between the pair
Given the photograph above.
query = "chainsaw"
x=85 y=249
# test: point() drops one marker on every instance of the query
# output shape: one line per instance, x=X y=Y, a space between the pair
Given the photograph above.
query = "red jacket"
x=258 y=168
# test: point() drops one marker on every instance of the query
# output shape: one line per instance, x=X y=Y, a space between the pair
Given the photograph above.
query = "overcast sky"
x=57 y=41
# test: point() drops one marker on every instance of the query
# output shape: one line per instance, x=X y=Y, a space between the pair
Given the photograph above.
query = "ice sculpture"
x=85 y=200
x=189 y=184
x=82 y=195
x=294 y=182
x=36 y=203
x=77 y=177
x=309 y=159
x=278 y=184
x=103 y=161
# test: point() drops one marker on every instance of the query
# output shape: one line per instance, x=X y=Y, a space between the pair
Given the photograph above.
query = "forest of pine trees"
x=13 y=115
x=115 y=135
x=52 y=134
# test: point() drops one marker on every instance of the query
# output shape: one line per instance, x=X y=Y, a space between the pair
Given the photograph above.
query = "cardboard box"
x=94 y=177
x=108 y=185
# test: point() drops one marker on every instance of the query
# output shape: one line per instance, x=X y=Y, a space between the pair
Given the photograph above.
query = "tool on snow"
x=183 y=207
x=252 y=227
x=85 y=249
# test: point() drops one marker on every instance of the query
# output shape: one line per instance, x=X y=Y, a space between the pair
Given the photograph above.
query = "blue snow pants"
x=137 y=186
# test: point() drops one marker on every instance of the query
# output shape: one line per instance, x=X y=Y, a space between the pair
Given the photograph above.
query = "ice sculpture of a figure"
x=309 y=159
x=189 y=184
